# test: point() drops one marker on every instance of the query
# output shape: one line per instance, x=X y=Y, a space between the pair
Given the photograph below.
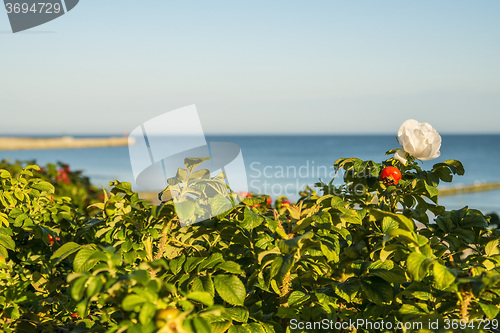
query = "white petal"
x=400 y=156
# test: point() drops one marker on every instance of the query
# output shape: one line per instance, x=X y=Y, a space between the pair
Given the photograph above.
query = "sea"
x=283 y=165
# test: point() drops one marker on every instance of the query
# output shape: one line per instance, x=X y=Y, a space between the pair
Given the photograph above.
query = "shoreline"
x=66 y=142
x=461 y=189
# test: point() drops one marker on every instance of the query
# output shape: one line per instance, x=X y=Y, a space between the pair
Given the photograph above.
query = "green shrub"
x=363 y=250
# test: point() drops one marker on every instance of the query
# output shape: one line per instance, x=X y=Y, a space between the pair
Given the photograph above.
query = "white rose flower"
x=420 y=140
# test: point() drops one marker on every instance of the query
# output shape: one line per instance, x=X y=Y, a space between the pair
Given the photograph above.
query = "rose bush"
x=419 y=140
x=363 y=250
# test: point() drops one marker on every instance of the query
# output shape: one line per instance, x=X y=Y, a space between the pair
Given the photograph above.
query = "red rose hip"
x=390 y=175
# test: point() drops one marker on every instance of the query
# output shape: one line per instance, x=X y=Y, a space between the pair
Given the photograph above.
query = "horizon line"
x=114 y=134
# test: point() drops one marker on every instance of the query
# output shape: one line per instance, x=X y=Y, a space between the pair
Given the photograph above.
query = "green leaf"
x=94 y=286
x=443 y=277
x=239 y=314
x=3 y=252
x=192 y=163
x=443 y=173
x=65 y=251
x=388 y=223
x=417 y=264
x=387 y=271
x=251 y=220
x=401 y=219
x=147 y=313
x=191 y=263
x=176 y=264
x=445 y=223
x=455 y=166
x=473 y=218
x=297 y=297
x=219 y=204
x=201 y=297
x=230 y=267
x=200 y=325
x=347 y=290
x=32 y=167
x=7 y=242
x=80 y=263
x=211 y=261
x=432 y=192
x=204 y=283
x=4 y=219
x=239 y=329
x=490 y=311
x=377 y=290
x=4 y=174
x=491 y=248
x=130 y=302
x=44 y=186
x=230 y=289
x=302 y=224
x=78 y=287
x=409 y=309
x=408 y=235
x=288 y=245
x=181 y=175
x=200 y=174
x=349 y=216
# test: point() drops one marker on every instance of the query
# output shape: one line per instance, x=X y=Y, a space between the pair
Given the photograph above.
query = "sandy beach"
x=13 y=143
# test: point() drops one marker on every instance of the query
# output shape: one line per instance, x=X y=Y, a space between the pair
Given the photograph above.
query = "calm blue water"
x=283 y=165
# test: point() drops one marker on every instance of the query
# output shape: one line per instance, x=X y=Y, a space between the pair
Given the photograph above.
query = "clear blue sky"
x=256 y=66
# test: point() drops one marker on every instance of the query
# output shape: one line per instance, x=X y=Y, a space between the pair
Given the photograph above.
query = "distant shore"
x=459 y=189
x=66 y=142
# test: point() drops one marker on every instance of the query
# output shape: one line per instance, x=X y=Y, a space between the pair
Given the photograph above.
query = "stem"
x=163 y=240
x=464 y=309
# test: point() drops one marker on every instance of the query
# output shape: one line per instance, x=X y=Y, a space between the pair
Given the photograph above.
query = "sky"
x=255 y=67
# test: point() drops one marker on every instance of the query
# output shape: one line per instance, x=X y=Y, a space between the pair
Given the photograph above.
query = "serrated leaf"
x=7 y=242
x=230 y=289
x=44 y=186
x=230 y=267
x=491 y=248
x=297 y=297
x=219 y=204
x=81 y=262
x=401 y=219
x=417 y=264
x=201 y=297
x=251 y=220
x=65 y=251
x=490 y=310
x=377 y=290
x=288 y=245
x=443 y=277
x=239 y=314
x=388 y=224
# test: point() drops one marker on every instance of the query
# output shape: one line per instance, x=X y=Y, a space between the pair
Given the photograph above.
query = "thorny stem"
x=464 y=309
